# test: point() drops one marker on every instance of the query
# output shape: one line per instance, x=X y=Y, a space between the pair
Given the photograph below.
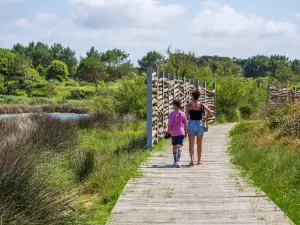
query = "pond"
x=57 y=115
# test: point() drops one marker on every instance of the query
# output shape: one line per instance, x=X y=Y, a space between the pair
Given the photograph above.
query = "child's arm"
x=170 y=121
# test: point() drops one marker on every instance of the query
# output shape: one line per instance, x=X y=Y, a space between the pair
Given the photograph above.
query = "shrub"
x=71 y=83
x=47 y=90
x=57 y=70
x=285 y=119
x=19 y=92
x=81 y=93
x=12 y=87
x=131 y=96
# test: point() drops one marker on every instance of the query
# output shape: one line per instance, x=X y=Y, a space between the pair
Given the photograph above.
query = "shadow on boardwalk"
x=210 y=193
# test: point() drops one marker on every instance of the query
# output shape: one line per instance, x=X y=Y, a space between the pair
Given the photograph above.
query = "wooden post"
x=215 y=89
x=197 y=83
x=149 y=108
x=295 y=93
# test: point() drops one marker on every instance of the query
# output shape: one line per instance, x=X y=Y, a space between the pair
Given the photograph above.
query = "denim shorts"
x=196 y=128
x=177 y=140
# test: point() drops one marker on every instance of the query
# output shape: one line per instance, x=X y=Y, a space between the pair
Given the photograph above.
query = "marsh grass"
x=66 y=171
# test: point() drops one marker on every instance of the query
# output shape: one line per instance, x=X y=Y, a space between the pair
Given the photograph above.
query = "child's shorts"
x=177 y=140
x=196 y=128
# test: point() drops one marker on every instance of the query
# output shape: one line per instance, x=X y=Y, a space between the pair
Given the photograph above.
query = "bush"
x=57 y=70
x=131 y=96
x=285 y=119
x=12 y=87
x=19 y=92
x=239 y=98
x=81 y=93
x=71 y=83
x=47 y=90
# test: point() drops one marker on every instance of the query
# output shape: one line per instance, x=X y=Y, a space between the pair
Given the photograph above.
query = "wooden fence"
x=284 y=95
x=162 y=89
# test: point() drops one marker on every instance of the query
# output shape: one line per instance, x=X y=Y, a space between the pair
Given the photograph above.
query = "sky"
x=234 y=28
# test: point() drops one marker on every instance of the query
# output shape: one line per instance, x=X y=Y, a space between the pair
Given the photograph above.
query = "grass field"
x=271 y=161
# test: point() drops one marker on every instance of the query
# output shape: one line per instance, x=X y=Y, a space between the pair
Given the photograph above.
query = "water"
x=59 y=116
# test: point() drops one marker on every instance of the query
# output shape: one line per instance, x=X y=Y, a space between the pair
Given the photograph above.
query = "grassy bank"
x=270 y=156
x=66 y=172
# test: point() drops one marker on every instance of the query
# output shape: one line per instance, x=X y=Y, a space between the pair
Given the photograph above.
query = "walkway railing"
x=162 y=89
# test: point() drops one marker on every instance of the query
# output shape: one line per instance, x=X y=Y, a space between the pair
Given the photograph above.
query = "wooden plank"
x=211 y=193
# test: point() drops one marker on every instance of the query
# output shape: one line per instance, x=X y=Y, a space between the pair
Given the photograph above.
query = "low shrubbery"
x=81 y=93
x=43 y=108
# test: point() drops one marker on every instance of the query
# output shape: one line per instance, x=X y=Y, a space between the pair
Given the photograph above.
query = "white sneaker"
x=178 y=165
x=174 y=163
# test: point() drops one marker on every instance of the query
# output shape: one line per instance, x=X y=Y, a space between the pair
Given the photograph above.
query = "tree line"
x=34 y=67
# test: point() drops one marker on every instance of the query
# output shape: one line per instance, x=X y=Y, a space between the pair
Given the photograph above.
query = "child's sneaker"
x=178 y=164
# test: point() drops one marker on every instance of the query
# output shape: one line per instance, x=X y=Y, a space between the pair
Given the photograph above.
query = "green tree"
x=117 y=62
x=92 y=69
x=296 y=66
x=57 y=70
x=6 y=58
x=151 y=59
x=66 y=55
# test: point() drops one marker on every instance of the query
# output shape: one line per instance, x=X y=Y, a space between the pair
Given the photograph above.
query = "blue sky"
x=238 y=28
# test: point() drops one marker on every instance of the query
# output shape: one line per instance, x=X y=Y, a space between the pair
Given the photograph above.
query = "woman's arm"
x=209 y=112
x=187 y=108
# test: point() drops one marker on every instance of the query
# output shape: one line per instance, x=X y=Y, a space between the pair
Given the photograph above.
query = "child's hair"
x=177 y=102
x=196 y=94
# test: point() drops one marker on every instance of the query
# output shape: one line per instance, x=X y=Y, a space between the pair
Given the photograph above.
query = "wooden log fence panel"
x=162 y=89
x=282 y=96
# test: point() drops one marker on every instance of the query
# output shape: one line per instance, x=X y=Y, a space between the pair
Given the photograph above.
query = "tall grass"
x=26 y=197
x=66 y=171
x=268 y=152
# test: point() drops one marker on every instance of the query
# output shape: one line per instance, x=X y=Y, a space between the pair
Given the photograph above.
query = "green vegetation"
x=268 y=153
x=76 y=176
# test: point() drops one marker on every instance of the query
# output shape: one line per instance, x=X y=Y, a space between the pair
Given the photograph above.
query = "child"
x=177 y=126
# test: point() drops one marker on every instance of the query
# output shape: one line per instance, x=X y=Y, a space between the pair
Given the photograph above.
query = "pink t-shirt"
x=177 y=121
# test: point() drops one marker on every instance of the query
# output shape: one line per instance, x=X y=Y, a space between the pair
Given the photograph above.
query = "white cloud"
x=223 y=21
x=139 y=26
x=124 y=13
x=46 y=16
x=23 y=23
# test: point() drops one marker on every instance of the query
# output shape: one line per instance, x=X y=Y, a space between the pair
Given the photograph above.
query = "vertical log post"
x=149 y=108
x=214 y=87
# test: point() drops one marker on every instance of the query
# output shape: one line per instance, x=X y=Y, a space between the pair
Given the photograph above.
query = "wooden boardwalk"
x=211 y=193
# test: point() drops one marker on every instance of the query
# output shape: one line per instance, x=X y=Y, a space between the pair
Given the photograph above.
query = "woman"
x=195 y=111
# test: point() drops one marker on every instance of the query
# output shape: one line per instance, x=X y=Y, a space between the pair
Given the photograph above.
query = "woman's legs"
x=199 y=148
x=191 y=147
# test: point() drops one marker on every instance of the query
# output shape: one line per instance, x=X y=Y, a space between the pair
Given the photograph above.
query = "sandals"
x=191 y=164
x=199 y=163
